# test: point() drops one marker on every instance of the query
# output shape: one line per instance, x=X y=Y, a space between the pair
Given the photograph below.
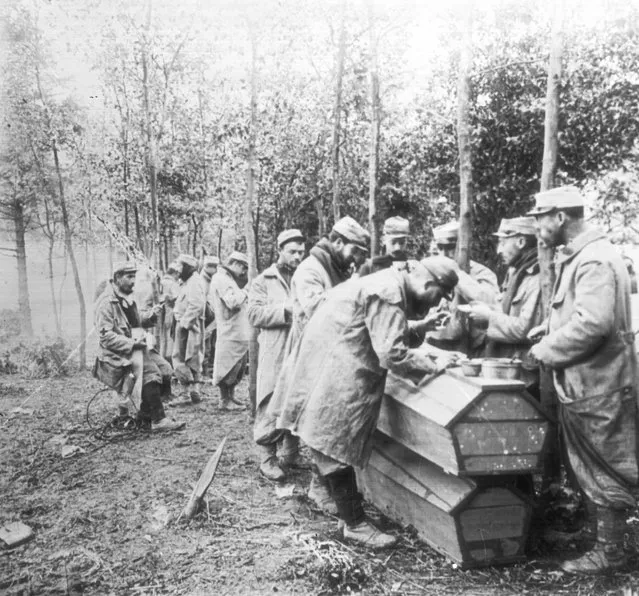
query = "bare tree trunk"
x=373 y=160
x=110 y=254
x=152 y=158
x=465 y=149
x=337 y=116
x=248 y=220
x=24 y=304
x=552 y=463
x=68 y=240
x=54 y=304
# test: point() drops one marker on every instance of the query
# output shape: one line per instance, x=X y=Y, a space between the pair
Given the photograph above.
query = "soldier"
x=271 y=311
x=395 y=238
x=479 y=284
x=210 y=264
x=116 y=319
x=518 y=307
x=230 y=305
x=329 y=264
x=189 y=331
x=333 y=388
x=170 y=290
x=589 y=346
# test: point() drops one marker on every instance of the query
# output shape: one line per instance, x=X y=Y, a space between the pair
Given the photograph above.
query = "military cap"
x=188 y=260
x=396 y=227
x=353 y=232
x=564 y=197
x=238 y=257
x=211 y=260
x=124 y=267
x=516 y=226
x=446 y=234
x=444 y=273
x=292 y=235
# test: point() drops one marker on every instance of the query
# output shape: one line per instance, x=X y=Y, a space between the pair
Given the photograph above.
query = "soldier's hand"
x=479 y=312
x=534 y=353
x=288 y=306
x=536 y=333
x=446 y=361
x=157 y=309
x=432 y=321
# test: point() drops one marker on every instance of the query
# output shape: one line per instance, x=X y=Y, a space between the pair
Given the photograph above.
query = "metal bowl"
x=501 y=368
x=471 y=368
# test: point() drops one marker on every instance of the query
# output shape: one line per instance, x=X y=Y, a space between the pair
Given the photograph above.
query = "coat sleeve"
x=481 y=284
x=261 y=313
x=231 y=295
x=194 y=309
x=514 y=329
x=110 y=340
x=591 y=321
x=310 y=291
x=388 y=330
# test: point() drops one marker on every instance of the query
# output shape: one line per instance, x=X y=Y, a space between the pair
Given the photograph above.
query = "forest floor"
x=105 y=515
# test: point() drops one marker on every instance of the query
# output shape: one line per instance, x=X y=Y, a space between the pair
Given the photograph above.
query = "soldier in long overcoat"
x=230 y=304
x=333 y=388
x=329 y=263
x=188 y=346
x=270 y=310
x=589 y=345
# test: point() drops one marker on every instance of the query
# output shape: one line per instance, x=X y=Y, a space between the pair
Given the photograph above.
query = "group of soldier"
x=332 y=324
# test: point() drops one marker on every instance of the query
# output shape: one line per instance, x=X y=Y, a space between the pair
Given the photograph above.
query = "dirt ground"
x=106 y=516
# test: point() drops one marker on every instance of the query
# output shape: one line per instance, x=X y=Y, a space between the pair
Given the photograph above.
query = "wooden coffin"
x=470 y=426
x=472 y=524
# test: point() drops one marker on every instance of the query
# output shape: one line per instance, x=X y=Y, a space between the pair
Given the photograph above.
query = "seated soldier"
x=116 y=318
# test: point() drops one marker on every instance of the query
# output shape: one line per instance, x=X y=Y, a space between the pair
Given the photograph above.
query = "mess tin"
x=501 y=368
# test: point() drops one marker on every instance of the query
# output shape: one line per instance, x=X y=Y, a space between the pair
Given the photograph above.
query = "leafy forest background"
x=160 y=127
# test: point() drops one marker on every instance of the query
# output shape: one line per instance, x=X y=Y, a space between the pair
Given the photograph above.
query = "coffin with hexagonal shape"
x=474 y=521
x=469 y=426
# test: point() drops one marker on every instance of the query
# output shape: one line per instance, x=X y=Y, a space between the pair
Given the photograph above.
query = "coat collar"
x=273 y=272
x=578 y=243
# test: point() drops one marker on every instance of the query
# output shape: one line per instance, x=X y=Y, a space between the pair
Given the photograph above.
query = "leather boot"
x=608 y=553
x=183 y=398
x=290 y=456
x=226 y=402
x=233 y=399
x=194 y=393
x=586 y=535
x=319 y=494
x=368 y=535
x=268 y=463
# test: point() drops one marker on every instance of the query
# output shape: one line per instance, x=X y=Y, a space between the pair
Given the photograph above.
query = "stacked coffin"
x=444 y=459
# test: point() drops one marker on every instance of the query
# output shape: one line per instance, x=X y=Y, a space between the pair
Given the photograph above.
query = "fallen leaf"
x=71 y=450
x=284 y=491
x=25 y=411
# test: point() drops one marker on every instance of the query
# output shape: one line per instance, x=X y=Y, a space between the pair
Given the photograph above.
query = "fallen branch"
x=203 y=483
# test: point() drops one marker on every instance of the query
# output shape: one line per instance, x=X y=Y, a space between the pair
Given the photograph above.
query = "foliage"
x=173 y=94
x=37 y=359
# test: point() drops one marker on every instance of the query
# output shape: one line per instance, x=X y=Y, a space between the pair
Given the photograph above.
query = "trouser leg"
x=151 y=408
x=343 y=488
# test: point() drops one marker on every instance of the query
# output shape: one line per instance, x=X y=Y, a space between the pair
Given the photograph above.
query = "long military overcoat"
x=230 y=304
x=189 y=317
x=267 y=296
x=590 y=348
x=332 y=389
